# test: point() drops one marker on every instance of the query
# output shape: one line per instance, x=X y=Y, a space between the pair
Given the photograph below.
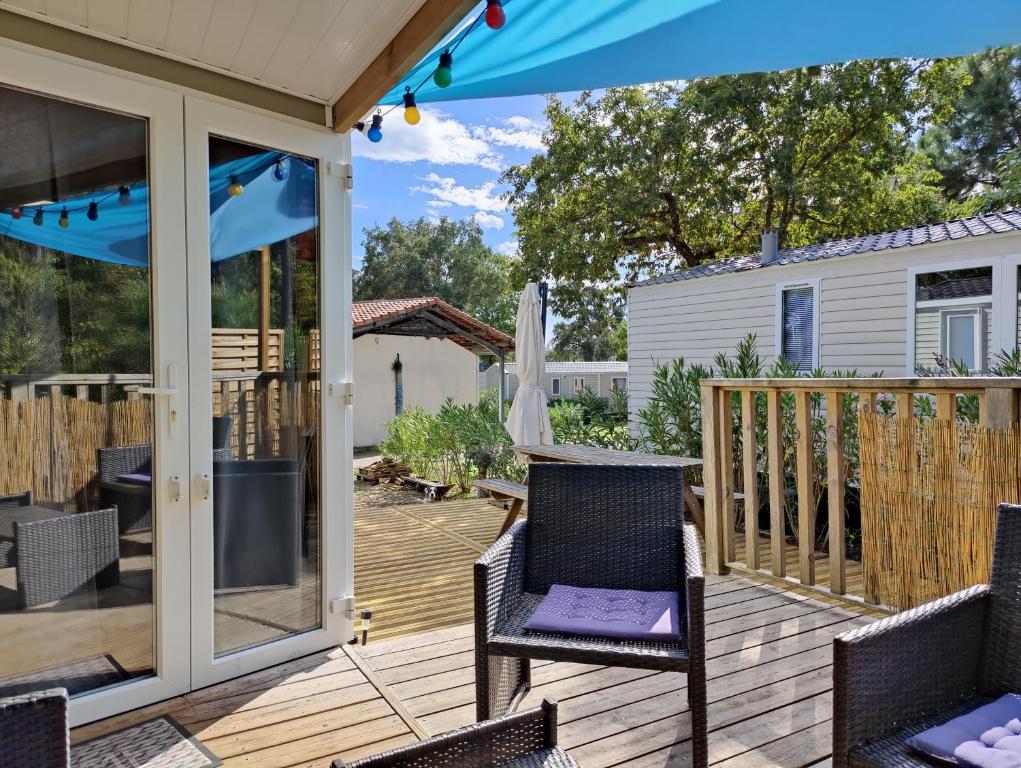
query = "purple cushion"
x=138 y=478
x=618 y=613
x=941 y=741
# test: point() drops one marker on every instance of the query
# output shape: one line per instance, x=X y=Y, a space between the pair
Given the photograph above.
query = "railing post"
x=806 y=500
x=774 y=451
x=712 y=470
x=997 y=407
x=751 y=480
x=727 y=474
x=835 y=489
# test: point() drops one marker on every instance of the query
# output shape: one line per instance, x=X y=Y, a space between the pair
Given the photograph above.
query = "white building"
x=889 y=303
x=411 y=352
x=565 y=379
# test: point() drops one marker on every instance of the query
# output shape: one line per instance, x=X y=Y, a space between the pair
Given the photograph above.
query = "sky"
x=447 y=165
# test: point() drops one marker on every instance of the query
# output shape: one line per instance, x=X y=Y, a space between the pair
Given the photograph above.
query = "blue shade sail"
x=269 y=210
x=549 y=46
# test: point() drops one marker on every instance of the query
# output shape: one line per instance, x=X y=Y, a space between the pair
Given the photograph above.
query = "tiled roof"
x=387 y=315
x=973 y=226
x=611 y=366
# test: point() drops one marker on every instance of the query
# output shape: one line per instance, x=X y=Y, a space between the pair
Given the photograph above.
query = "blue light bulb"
x=280 y=170
x=375 y=133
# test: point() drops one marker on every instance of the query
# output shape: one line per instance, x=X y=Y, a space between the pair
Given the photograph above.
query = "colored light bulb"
x=411 y=113
x=37 y=219
x=236 y=187
x=16 y=213
x=124 y=195
x=93 y=212
x=375 y=133
x=443 y=76
x=280 y=170
x=64 y=221
x=495 y=16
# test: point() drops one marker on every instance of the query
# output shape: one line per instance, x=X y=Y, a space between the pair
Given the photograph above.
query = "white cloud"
x=488 y=220
x=444 y=192
x=508 y=248
x=520 y=133
x=438 y=138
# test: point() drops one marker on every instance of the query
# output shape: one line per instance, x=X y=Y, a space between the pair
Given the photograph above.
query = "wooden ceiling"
x=340 y=53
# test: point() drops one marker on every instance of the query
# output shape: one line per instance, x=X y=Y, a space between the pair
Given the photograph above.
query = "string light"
x=375 y=133
x=124 y=194
x=280 y=170
x=235 y=187
x=16 y=213
x=93 y=213
x=495 y=16
x=443 y=76
x=64 y=221
x=411 y=113
x=37 y=219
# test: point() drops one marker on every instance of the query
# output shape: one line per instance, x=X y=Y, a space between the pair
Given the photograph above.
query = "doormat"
x=77 y=676
x=159 y=743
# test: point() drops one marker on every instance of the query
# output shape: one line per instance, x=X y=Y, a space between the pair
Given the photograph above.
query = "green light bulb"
x=443 y=77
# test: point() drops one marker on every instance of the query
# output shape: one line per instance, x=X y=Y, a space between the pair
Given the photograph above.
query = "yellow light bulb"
x=412 y=116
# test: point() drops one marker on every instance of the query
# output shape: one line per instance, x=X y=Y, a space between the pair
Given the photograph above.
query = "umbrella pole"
x=503 y=384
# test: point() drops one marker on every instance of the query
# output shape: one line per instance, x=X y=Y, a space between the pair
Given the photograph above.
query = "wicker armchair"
x=616 y=527
x=524 y=740
x=59 y=556
x=922 y=667
x=34 y=730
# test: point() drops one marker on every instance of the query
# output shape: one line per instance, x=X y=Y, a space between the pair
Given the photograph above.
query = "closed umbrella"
x=528 y=421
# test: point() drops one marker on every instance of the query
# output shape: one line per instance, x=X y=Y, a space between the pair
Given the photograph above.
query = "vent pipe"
x=768 y=246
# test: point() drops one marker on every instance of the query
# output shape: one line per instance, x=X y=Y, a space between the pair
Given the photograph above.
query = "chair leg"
x=697 y=703
x=501 y=682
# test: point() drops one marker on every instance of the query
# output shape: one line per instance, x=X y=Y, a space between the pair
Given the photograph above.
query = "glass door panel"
x=76 y=429
x=264 y=307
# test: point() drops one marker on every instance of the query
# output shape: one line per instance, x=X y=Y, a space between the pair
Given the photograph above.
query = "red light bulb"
x=495 y=16
x=16 y=213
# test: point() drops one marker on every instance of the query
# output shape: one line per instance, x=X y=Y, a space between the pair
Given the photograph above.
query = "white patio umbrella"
x=528 y=421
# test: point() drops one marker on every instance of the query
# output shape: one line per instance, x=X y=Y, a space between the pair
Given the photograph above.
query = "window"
x=619 y=382
x=556 y=388
x=797 y=323
x=952 y=319
x=579 y=385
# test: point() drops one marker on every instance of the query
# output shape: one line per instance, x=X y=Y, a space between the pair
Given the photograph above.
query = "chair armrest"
x=906 y=666
x=499 y=578
x=694 y=592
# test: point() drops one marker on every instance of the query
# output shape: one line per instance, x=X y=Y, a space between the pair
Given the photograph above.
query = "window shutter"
x=797 y=339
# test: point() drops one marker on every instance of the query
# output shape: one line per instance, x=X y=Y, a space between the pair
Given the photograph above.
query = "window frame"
x=579 y=388
x=978 y=332
x=555 y=386
x=615 y=379
x=999 y=312
x=787 y=285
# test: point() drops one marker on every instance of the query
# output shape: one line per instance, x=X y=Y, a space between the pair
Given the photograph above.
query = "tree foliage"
x=643 y=180
x=594 y=327
x=447 y=259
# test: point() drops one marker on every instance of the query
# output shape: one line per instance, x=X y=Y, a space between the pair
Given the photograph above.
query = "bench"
x=433 y=491
x=505 y=490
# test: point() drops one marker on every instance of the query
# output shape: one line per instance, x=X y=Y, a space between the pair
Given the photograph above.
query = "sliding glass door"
x=269 y=541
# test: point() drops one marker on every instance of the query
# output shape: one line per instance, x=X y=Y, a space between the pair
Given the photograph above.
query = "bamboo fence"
x=929 y=492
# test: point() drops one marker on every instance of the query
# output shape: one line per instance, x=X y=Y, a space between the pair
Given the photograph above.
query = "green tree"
x=447 y=259
x=975 y=147
x=595 y=328
x=645 y=180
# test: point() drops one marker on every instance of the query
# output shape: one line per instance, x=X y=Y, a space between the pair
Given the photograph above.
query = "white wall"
x=600 y=383
x=434 y=369
x=863 y=309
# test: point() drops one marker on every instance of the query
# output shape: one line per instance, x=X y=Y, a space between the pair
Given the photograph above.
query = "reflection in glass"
x=264 y=277
x=76 y=564
x=953 y=328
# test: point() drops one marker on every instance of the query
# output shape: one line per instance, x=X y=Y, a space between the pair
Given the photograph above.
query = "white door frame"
x=332 y=151
x=163 y=108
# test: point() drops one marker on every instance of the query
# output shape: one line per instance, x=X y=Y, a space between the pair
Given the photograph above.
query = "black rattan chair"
x=616 y=527
x=904 y=674
x=524 y=740
x=34 y=730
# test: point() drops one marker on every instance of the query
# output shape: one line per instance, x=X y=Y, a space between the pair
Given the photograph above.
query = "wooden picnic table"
x=588 y=454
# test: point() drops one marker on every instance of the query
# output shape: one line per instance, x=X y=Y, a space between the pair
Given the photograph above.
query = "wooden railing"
x=773 y=447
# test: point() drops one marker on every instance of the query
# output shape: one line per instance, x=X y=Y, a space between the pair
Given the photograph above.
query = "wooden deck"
x=769 y=655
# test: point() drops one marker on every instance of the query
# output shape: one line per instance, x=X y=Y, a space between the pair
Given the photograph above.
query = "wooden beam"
x=264 y=275
x=775 y=468
x=426 y=28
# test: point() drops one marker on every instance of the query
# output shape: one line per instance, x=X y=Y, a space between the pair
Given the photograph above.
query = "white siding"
x=862 y=306
x=600 y=383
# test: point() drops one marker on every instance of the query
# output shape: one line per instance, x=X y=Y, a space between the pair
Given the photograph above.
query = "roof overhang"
x=435 y=319
x=382 y=57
